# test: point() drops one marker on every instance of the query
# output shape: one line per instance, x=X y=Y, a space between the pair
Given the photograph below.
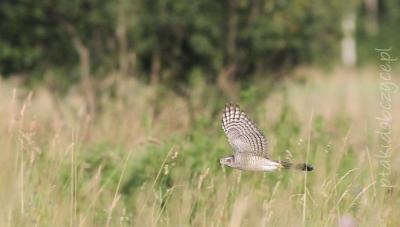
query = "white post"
x=349 y=55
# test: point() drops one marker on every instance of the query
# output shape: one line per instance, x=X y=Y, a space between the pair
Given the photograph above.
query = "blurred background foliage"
x=168 y=41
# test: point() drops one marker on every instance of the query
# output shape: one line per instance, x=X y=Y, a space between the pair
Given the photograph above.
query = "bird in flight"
x=249 y=144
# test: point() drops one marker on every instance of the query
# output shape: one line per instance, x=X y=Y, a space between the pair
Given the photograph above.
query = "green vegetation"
x=110 y=112
x=133 y=163
x=168 y=41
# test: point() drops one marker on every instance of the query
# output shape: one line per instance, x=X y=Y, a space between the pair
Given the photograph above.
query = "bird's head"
x=228 y=161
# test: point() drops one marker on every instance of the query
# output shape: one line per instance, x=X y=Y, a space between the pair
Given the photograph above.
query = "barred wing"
x=243 y=135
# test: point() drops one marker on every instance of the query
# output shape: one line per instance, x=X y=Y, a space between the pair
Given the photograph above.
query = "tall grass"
x=145 y=156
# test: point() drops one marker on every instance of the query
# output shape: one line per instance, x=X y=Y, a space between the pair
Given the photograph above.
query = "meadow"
x=131 y=154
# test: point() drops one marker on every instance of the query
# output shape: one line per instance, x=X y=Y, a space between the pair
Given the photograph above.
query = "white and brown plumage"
x=249 y=144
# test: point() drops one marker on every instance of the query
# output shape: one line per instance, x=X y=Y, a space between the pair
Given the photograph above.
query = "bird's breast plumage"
x=255 y=163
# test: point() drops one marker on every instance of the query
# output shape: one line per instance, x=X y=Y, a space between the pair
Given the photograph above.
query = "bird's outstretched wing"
x=243 y=135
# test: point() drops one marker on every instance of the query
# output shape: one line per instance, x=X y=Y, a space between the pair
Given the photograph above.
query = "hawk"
x=249 y=144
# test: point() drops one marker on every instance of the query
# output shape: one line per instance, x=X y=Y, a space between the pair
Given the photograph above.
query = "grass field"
x=146 y=156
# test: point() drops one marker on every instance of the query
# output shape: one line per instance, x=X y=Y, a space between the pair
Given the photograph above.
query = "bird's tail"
x=302 y=166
